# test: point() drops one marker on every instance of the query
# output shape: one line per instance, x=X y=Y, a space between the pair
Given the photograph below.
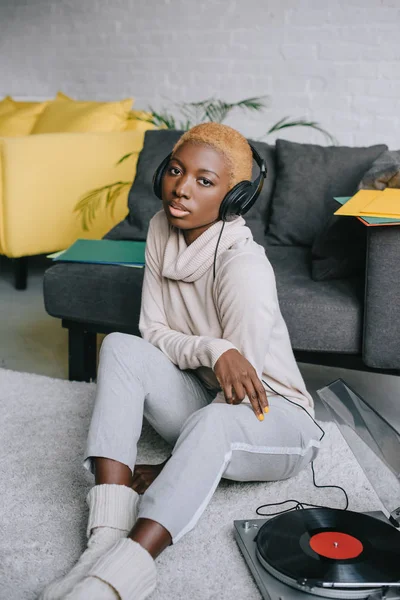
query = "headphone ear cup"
x=235 y=200
x=158 y=177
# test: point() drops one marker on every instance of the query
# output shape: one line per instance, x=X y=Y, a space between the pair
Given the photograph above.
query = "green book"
x=113 y=252
x=370 y=220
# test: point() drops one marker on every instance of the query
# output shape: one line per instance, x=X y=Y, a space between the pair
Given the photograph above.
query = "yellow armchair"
x=43 y=176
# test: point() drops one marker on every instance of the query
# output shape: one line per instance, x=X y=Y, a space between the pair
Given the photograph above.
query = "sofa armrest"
x=44 y=176
x=381 y=337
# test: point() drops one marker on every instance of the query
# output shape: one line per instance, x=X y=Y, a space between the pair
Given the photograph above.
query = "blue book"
x=111 y=252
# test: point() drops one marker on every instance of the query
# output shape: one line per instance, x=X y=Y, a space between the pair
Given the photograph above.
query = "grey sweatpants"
x=211 y=440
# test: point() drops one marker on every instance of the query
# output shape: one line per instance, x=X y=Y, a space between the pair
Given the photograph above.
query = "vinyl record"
x=330 y=545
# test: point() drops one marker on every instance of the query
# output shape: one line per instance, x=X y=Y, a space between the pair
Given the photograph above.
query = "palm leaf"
x=162 y=120
x=108 y=197
x=145 y=118
x=190 y=111
x=217 y=111
x=86 y=199
x=121 y=160
x=210 y=109
x=114 y=195
x=286 y=122
x=193 y=111
x=256 y=104
x=89 y=204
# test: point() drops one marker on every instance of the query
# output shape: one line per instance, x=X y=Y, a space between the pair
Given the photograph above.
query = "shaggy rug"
x=43 y=513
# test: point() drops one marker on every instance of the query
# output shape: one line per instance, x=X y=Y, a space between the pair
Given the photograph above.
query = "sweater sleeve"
x=247 y=302
x=185 y=351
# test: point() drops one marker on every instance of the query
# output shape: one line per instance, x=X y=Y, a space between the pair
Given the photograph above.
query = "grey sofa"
x=341 y=303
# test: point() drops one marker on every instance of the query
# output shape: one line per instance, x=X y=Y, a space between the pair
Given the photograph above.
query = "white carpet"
x=43 y=513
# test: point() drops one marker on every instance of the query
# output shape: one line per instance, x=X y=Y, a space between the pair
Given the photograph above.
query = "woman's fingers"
x=257 y=396
x=237 y=391
x=228 y=393
x=262 y=394
x=255 y=402
x=238 y=378
x=234 y=393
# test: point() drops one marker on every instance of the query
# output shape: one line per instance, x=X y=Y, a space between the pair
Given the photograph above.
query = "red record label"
x=333 y=544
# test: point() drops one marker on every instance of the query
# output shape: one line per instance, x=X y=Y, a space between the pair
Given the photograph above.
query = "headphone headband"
x=260 y=161
x=243 y=195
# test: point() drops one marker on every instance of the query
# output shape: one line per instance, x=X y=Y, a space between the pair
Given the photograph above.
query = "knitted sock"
x=125 y=572
x=91 y=588
x=112 y=514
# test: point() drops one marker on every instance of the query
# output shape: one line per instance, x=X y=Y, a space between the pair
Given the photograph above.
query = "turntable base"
x=271 y=588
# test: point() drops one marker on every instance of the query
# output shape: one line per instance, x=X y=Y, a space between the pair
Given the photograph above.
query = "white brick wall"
x=336 y=62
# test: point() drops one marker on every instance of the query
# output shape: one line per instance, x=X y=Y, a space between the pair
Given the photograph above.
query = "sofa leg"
x=20 y=266
x=81 y=354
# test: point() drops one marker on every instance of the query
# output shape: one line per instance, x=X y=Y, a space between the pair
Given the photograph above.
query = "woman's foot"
x=125 y=572
x=144 y=475
x=112 y=514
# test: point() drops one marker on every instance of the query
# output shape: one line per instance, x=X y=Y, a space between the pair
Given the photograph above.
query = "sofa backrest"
x=297 y=197
x=143 y=203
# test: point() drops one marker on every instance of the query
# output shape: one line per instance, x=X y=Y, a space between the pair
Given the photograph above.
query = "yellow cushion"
x=18 y=120
x=26 y=104
x=6 y=105
x=72 y=116
x=64 y=96
x=136 y=121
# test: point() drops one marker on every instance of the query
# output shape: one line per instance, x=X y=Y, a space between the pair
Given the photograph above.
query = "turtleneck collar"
x=189 y=263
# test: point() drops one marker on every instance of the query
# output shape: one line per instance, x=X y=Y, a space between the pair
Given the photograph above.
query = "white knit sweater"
x=193 y=320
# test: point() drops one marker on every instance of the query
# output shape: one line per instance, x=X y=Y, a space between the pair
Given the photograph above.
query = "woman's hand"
x=238 y=378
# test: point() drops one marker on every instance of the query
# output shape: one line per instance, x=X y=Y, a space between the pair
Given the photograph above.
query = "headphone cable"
x=297 y=505
x=300 y=505
x=216 y=248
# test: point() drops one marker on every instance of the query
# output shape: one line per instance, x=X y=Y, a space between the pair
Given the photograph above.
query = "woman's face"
x=193 y=187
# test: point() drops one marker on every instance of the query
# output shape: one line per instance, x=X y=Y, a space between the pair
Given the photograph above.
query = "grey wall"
x=336 y=62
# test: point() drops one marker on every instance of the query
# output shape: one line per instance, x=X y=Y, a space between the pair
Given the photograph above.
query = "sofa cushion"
x=308 y=176
x=106 y=294
x=320 y=316
x=143 y=204
x=324 y=316
x=340 y=249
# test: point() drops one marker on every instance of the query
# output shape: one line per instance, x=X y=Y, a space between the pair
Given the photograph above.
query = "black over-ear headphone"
x=238 y=200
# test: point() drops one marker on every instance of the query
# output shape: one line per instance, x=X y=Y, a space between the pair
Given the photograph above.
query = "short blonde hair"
x=226 y=140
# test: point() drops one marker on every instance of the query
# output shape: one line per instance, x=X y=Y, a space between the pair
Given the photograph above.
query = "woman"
x=208 y=344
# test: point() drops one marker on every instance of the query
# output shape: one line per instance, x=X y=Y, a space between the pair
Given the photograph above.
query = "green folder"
x=112 y=252
x=370 y=220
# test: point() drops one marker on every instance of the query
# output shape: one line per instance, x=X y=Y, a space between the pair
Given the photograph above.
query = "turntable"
x=303 y=554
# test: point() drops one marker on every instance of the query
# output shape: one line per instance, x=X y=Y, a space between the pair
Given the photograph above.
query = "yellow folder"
x=387 y=205
x=354 y=206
